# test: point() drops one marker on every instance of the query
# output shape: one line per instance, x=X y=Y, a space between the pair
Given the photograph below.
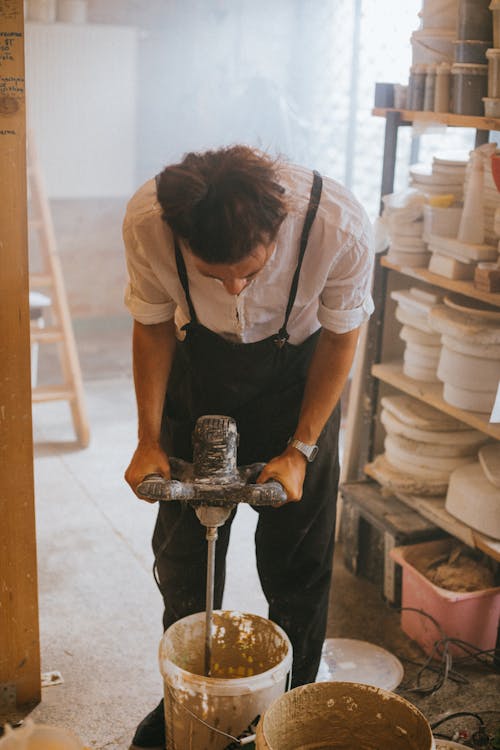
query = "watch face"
x=313 y=453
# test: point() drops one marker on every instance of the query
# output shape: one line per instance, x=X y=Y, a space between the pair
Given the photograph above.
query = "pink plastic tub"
x=469 y=616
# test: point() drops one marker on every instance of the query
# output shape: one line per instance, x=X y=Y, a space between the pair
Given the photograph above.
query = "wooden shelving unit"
x=431 y=393
x=443 y=118
x=375 y=370
x=466 y=288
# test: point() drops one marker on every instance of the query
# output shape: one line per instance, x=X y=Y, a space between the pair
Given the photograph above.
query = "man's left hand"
x=289 y=469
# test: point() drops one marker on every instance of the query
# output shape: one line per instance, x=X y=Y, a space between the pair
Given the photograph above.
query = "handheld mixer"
x=213 y=485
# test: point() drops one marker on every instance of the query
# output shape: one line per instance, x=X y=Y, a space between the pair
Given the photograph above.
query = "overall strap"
x=181 y=268
x=282 y=336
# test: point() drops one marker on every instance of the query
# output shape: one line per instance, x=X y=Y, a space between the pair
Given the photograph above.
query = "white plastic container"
x=252 y=661
x=443 y=222
x=439 y=14
x=432 y=46
x=72 y=11
x=341 y=715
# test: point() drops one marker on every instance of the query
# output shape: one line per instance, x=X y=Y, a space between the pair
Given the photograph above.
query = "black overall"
x=261 y=385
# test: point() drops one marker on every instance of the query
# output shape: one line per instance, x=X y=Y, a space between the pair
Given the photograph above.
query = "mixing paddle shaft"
x=213 y=485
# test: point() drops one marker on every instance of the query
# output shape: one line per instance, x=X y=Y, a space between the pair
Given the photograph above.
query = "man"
x=249 y=280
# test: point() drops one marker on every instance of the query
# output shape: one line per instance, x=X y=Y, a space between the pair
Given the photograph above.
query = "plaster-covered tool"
x=213 y=484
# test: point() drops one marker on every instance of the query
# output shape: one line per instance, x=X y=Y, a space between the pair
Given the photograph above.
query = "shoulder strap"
x=181 y=268
x=282 y=336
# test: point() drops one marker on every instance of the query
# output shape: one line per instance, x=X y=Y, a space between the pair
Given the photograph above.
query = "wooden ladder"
x=51 y=279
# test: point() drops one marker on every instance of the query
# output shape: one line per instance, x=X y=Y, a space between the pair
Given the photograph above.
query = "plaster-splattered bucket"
x=251 y=664
x=341 y=716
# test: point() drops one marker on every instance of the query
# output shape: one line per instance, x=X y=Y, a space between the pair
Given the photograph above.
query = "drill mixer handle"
x=213 y=478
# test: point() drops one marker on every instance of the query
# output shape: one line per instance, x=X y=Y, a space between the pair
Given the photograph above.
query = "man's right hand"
x=149 y=458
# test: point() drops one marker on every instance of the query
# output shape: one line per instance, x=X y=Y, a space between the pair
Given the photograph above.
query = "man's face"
x=236 y=276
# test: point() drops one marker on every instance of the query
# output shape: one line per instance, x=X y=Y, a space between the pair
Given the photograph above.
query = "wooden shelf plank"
x=444 y=118
x=434 y=510
x=461 y=287
x=432 y=393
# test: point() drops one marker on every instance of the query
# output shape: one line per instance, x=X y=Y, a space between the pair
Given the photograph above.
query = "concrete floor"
x=100 y=610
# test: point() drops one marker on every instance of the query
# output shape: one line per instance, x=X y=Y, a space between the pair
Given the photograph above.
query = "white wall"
x=81 y=92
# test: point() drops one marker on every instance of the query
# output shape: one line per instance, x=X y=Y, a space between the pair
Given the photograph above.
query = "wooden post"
x=19 y=634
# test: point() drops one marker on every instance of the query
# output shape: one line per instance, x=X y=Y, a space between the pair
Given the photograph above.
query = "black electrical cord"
x=456 y=715
x=441 y=654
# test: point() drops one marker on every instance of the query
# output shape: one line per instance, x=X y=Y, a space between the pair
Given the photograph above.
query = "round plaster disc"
x=351 y=660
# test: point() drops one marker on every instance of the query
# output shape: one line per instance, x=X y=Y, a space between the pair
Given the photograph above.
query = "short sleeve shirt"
x=335 y=279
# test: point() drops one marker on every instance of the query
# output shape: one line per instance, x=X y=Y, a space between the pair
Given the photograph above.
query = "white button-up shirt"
x=335 y=279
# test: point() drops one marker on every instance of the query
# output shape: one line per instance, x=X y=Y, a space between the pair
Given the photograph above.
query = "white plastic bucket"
x=251 y=664
x=439 y=14
x=441 y=221
x=342 y=715
x=432 y=46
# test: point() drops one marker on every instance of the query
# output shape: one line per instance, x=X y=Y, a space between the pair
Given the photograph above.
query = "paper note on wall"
x=495 y=414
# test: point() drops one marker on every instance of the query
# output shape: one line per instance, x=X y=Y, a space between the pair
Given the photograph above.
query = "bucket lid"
x=352 y=660
x=471 y=69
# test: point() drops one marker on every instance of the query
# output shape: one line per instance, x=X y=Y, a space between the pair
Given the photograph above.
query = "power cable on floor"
x=440 y=660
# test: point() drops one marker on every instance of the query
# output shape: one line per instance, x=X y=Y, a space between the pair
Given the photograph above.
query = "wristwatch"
x=309 y=451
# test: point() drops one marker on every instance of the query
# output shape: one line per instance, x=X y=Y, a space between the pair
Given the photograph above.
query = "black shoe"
x=151 y=731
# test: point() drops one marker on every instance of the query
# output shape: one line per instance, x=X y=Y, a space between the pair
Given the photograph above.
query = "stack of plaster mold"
x=479 y=170
x=457 y=257
x=422 y=446
x=433 y=42
x=474 y=492
x=469 y=363
x=439 y=178
x=422 y=343
x=402 y=218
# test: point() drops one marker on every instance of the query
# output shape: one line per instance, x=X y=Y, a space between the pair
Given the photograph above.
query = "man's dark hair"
x=223 y=203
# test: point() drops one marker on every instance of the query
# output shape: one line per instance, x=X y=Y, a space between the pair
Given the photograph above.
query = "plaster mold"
x=399 y=481
x=429 y=467
x=415 y=336
x=411 y=260
x=415 y=320
x=489 y=458
x=451 y=268
x=404 y=243
x=418 y=356
x=460 y=443
x=463 y=251
x=473 y=499
x=417 y=414
x=480 y=401
x=469 y=373
x=459 y=325
x=424 y=374
x=465 y=346
x=443 y=449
